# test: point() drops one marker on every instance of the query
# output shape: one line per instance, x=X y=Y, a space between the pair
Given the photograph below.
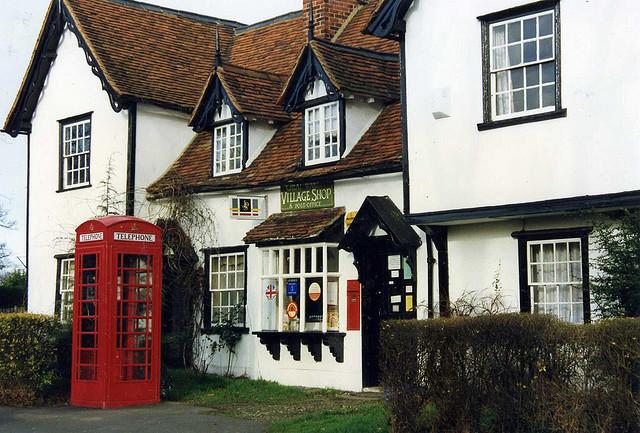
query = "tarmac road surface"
x=161 y=418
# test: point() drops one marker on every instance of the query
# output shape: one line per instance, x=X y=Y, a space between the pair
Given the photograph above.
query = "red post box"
x=353 y=305
x=116 y=313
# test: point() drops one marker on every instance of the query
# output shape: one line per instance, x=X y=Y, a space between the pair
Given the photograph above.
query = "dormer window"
x=322 y=133
x=228 y=152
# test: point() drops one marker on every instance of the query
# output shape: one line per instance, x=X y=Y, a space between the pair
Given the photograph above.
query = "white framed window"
x=555 y=278
x=227 y=286
x=523 y=65
x=300 y=288
x=76 y=154
x=66 y=269
x=227 y=149
x=244 y=207
x=322 y=133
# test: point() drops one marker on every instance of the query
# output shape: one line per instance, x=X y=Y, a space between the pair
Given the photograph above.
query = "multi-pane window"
x=66 y=270
x=555 y=278
x=226 y=283
x=300 y=288
x=227 y=152
x=322 y=133
x=523 y=65
x=76 y=153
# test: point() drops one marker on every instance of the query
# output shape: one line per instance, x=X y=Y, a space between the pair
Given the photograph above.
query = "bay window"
x=300 y=288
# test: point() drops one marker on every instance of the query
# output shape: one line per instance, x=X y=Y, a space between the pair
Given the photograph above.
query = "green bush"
x=511 y=373
x=35 y=358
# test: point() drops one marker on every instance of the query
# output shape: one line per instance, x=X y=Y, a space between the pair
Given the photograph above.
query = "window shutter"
x=206 y=296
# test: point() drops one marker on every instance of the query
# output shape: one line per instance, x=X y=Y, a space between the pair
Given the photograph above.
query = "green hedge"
x=512 y=374
x=35 y=358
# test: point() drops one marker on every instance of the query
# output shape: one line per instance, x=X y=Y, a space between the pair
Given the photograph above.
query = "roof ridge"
x=258 y=71
x=181 y=13
x=358 y=50
x=269 y=21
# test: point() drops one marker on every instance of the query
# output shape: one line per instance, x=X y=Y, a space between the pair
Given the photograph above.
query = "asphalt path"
x=161 y=418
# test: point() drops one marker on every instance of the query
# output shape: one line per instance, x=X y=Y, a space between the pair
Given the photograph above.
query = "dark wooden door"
x=388 y=292
x=372 y=314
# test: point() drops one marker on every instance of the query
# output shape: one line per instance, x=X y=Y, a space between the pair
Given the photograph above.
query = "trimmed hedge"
x=35 y=358
x=512 y=373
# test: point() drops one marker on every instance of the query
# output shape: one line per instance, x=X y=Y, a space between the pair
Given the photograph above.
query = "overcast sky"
x=20 y=22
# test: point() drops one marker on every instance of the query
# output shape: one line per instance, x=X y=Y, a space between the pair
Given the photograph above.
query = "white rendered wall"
x=594 y=150
x=161 y=136
x=71 y=90
x=359 y=117
x=478 y=251
x=259 y=135
x=253 y=358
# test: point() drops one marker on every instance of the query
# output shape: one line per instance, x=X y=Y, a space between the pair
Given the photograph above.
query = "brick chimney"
x=329 y=15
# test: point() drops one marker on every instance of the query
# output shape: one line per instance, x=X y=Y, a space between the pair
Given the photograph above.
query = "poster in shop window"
x=269 y=304
x=314 y=300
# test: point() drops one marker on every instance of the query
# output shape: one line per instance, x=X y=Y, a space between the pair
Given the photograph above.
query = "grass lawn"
x=288 y=408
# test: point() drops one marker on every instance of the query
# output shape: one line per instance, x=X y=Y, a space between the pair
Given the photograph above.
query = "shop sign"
x=301 y=196
x=314 y=291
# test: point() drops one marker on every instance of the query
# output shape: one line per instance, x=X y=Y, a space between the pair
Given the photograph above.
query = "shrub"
x=511 y=373
x=35 y=358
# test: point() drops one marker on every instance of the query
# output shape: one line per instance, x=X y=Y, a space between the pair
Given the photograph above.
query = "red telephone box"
x=116 y=313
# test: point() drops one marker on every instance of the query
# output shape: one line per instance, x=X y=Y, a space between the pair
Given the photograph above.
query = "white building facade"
x=517 y=141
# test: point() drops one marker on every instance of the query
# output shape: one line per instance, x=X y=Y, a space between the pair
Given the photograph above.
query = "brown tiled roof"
x=378 y=151
x=285 y=226
x=142 y=52
x=150 y=53
x=352 y=32
x=271 y=46
x=359 y=72
x=252 y=93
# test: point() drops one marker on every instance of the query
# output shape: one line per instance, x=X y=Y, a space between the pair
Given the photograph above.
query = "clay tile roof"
x=352 y=32
x=359 y=72
x=151 y=53
x=271 y=45
x=140 y=52
x=379 y=150
x=252 y=93
x=285 y=226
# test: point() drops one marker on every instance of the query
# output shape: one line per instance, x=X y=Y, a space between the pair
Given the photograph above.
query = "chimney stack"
x=329 y=15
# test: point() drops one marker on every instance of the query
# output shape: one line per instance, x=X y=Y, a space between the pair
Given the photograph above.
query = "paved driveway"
x=162 y=418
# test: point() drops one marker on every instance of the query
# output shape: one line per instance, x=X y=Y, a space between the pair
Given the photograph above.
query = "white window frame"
x=494 y=71
x=220 y=311
x=273 y=268
x=318 y=124
x=65 y=288
x=544 y=307
x=76 y=154
x=222 y=149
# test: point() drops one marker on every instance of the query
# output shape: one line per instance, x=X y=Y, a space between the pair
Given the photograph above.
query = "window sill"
x=215 y=330
x=312 y=339
x=521 y=120
x=75 y=188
